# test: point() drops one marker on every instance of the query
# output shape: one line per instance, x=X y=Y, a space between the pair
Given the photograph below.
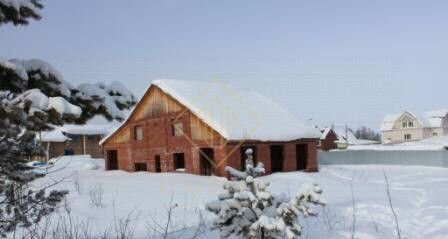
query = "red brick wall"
x=312 y=163
x=158 y=140
x=263 y=154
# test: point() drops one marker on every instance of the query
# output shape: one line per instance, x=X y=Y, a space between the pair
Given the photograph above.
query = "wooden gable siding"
x=200 y=130
x=123 y=135
x=156 y=104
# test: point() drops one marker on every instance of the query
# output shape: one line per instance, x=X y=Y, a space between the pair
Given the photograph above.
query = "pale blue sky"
x=341 y=62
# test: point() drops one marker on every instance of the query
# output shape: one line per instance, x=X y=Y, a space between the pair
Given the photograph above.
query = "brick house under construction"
x=200 y=127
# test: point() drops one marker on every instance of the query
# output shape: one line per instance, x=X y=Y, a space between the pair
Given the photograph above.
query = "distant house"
x=328 y=139
x=54 y=143
x=76 y=139
x=408 y=126
x=199 y=128
x=338 y=138
x=438 y=122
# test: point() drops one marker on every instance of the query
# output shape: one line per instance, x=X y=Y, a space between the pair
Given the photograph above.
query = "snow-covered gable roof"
x=389 y=120
x=346 y=136
x=54 y=135
x=436 y=117
x=442 y=113
x=325 y=132
x=86 y=129
x=98 y=125
x=235 y=113
x=435 y=122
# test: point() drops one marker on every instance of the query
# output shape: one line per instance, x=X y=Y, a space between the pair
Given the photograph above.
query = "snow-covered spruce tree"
x=111 y=100
x=22 y=76
x=247 y=209
x=20 y=205
x=34 y=95
x=19 y=12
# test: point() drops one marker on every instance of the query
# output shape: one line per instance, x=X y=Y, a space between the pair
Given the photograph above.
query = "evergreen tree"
x=12 y=78
x=43 y=76
x=20 y=205
x=19 y=12
x=247 y=209
x=111 y=101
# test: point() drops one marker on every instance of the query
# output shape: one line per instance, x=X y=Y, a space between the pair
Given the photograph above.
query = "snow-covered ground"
x=419 y=196
x=431 y=143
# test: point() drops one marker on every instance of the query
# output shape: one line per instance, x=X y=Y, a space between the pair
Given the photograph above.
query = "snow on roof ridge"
x=54 y=135
x=325 y=132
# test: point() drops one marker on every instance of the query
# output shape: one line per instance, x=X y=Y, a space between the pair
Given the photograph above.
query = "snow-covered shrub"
x=247 y=208
x=96 y=195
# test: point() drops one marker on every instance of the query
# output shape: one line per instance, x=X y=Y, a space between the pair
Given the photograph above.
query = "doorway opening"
x=277 y=158
x=158 y=165
x=112 y=160
x=206 y=159
x=179 y=161
x=301 y=156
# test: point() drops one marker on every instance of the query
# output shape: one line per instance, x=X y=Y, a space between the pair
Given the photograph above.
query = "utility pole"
x=346 y=135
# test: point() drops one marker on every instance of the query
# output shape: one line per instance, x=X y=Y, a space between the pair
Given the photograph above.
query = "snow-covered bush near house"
x=249 y=210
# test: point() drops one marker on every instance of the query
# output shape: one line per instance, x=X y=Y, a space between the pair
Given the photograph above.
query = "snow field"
x=419 y=196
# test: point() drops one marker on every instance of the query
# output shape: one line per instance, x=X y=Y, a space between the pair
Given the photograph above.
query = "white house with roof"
x=408 y=126
x=438 y=121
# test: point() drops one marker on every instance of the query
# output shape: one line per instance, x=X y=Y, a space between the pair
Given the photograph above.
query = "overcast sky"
x=340 y=62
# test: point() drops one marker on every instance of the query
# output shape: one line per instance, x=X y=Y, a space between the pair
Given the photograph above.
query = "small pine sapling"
x=248 y=209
